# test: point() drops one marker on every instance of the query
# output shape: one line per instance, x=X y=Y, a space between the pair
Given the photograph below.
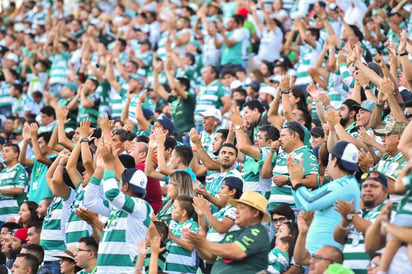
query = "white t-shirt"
x=270 y=43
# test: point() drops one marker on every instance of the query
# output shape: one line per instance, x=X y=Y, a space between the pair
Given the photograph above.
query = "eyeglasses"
x=280 y=220
x=318 y=258
x=373 y=265
x=79 y=249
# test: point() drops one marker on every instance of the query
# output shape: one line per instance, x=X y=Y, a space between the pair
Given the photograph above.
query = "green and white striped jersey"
x=52 y=233
x=76 y=228
x=278 y=261
x=228 y=211
x=308 y=56
x=283 y=194
x=209 y=96
x=180 y=260
x=354 y=254
x=59 y=68
x=129 y=219
x=5 y=97
x=15 y=177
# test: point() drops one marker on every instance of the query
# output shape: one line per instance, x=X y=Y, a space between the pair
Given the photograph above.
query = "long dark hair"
x=32 y=206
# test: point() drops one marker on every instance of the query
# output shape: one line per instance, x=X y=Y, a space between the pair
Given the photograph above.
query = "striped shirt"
x=283 y=194
x=52 y=233
x=15 y=177
x=76 y=228
x=278 y=261
x=209 y=96
x=308 y=57
x=129 y=219
x=90 y=112
x=251 y=173
x=228 y=211
x=5 y=97
x=59 y=68
x=179 y=259
x=354 y=254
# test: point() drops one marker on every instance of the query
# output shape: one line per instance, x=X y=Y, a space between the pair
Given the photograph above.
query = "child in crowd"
x=182 y=256
x=145 y=249
x=279 y=257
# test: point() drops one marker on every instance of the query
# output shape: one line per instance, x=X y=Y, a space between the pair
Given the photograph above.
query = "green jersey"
x=90 y=112
x=283 y=194
x=15 y=177
x=209 y=97
x=183 y=113
x=180 y=259
x=253 y=240
x=278 y=261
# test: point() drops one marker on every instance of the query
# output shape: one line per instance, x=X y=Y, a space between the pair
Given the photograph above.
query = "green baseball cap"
x=338 y=269
x=368 y=105
x=72 y=86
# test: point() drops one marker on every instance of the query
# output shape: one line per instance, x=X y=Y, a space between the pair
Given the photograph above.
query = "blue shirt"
x=326 y=218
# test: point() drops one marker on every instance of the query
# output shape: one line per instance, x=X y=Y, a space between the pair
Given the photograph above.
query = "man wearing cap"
x=291 y=143
x=344 y=186
x=266 y=95
x=13 y=183
x=211 y=121
x=241 y=251
x=350 y=231
x=129 y=216
x=19 y=239
x=211 y=94
x=392 y=161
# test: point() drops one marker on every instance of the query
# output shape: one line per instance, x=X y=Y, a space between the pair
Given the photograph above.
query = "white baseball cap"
x=212 y=112
x=348 y=154
x=268 y=90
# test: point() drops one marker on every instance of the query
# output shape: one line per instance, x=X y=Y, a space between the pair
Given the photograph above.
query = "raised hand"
x=343 y=207
x=332 y=117
x=194 y=137
x=34 y=130
x=365 y=161
x=295 y=170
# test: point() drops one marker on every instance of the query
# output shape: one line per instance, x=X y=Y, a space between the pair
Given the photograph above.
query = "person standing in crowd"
x=243 y=250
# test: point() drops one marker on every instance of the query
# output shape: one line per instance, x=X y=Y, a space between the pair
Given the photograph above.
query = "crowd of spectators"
x=156 y=136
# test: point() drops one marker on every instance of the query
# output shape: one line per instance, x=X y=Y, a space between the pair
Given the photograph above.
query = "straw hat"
x=255 y=200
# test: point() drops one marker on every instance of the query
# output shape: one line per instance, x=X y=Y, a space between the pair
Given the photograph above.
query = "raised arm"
x=40 y=157
x=61 y=114
x=243 y=142
x=149 y=168
x=85 y=131
x=23 y=152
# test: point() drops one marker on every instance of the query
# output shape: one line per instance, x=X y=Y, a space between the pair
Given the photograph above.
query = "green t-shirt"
x=39 y=189
x=183 y=113
x=90 y=112
x=254 y=240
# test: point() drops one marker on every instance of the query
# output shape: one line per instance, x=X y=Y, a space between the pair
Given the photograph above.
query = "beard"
x=368 y=204
x=344 y=121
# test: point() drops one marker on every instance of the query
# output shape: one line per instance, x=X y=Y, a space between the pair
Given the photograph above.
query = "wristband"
x=379 y=105
x=297 y=186
x=403 y=53
x=83 y=140
x=285 y=91
x=367 y=87
x=383 y=226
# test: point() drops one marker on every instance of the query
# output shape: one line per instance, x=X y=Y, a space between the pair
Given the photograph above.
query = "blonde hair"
x=183 y=183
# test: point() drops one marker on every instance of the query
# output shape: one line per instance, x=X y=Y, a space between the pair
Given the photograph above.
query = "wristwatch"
x=349 y=216
x=84 y=140
x=237 y=127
